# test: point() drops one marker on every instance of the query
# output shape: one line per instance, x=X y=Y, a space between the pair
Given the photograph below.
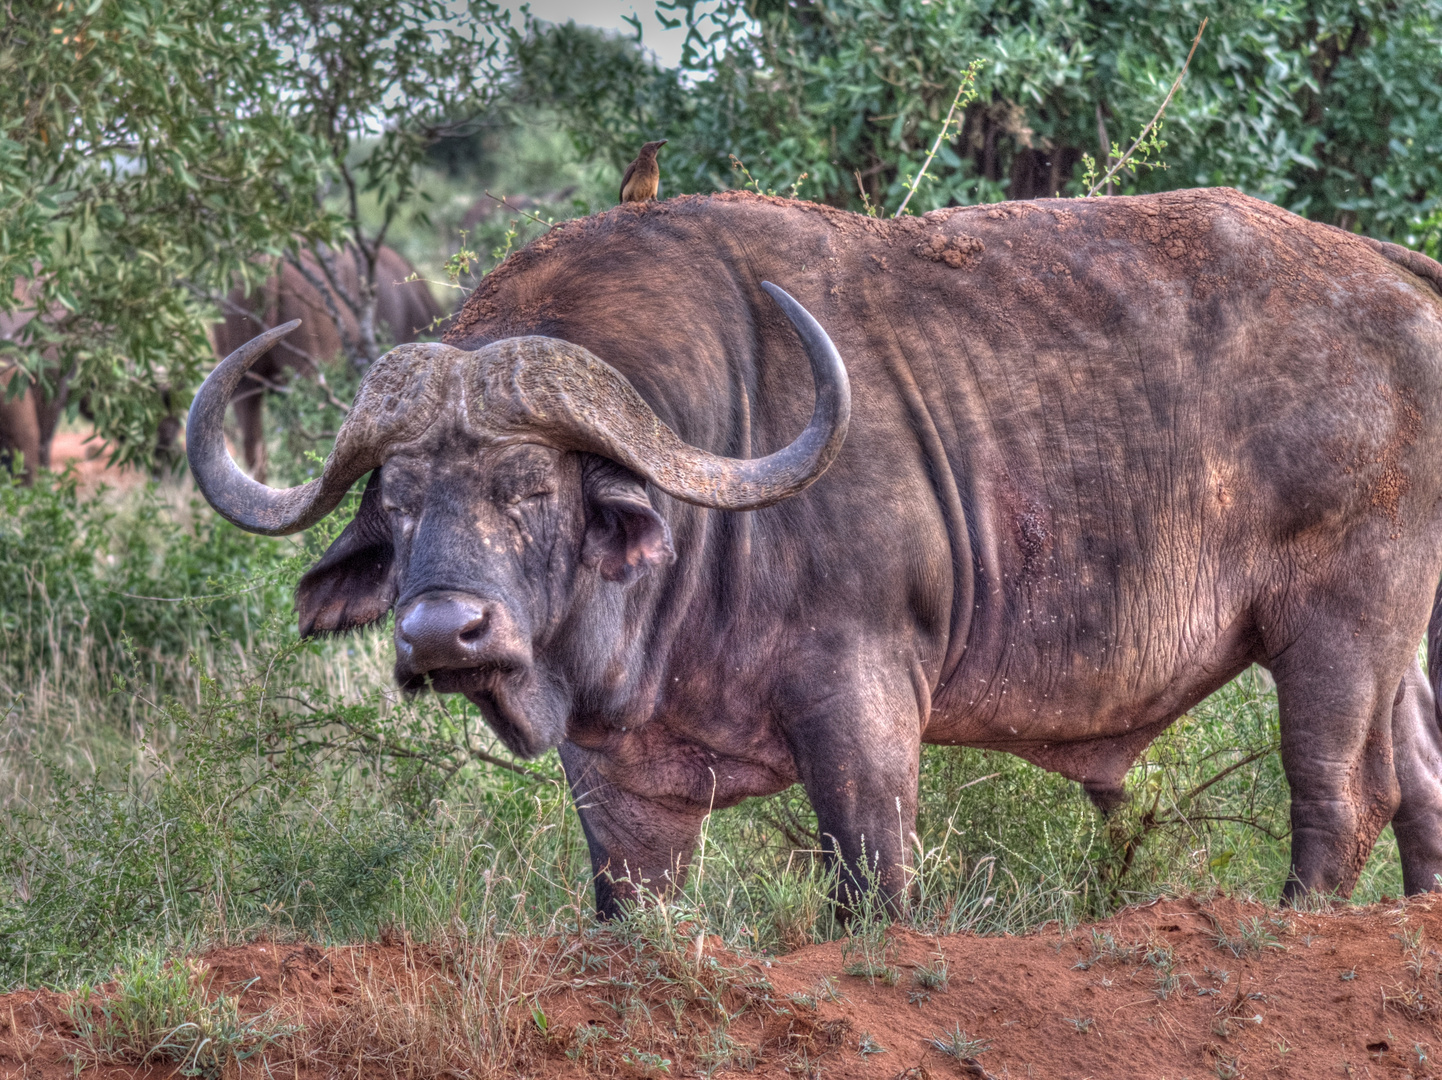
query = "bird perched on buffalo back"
x=642 y=179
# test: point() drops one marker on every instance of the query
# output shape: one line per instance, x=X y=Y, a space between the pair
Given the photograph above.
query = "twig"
x=1165 y=102
x=865 y=198
x=490 y=759
x=269 y=384
x=328 y=289
x=330 y=397
x=520 y=770
x=978 y=780
x=1255 y=756
x=190 y=599
x=524 y=213
x=1238 y=820
x=231 y=307
x=966 y=81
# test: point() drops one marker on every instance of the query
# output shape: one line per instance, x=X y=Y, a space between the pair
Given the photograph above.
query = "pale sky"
x=608 y=14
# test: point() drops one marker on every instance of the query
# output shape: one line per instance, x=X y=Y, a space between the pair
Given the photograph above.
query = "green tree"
x=1331 y=108
x=153 y=153
x=146 y=159
x=378 y=83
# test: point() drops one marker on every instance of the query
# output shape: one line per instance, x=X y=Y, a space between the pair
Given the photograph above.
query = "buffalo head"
x=507 y=510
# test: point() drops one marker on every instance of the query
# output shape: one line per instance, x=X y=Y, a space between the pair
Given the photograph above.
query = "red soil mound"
x=1156 y=992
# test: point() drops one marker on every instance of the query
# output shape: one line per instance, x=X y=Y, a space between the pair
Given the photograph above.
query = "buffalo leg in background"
x=635 y=843
x=249 y=405
x=1335 y=693
x=1417 y=755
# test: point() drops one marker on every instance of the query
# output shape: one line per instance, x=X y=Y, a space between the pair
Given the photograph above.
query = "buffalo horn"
x=239 y=499
x=525 y=389
x=564 y=395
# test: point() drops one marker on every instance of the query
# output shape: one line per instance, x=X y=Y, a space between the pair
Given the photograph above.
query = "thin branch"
x=325 y=258
x=226 y=304
x=269 y=384
x=191 y=599
x=978 y=780
x=1257 y=756
x=329 y=396
x=1233 y=818
x=797 y=834
x=966 y=82
x=380 y=237
x=865 y=198
x=326 y=295
x=521 y=769
x=351 y=193
x=1104 y=141
x=490 y=759
x=524 y=213
x=351 y=344
x=1121 y=162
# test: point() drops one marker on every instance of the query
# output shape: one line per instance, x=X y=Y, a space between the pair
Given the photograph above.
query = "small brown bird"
x=642 y=180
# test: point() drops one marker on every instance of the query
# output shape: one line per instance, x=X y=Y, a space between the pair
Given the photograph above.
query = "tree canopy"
x=378 y=82
x=155 y=152
x=146 y=158
x=1330 y=108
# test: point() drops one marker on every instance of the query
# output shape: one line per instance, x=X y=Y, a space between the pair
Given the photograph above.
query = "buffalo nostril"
x=440 y=633
x=474 y=630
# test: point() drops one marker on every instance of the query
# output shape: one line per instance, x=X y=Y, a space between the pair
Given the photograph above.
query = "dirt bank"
x=1175 y=989
x=90 y=456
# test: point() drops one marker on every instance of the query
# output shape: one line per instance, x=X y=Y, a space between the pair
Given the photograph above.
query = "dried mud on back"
x=1178 y=988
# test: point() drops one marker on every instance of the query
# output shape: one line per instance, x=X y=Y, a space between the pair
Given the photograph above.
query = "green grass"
x=177 y=770
x=158 y=1012
x=958 y=1044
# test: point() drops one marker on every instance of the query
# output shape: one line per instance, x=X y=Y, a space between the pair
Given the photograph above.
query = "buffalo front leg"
x=636 y=843
x=1417 y=754
x=249 y=406
x=857 y=755
x=1336 y=717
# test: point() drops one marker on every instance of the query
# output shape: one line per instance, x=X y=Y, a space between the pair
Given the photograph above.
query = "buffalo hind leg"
x=1336 y=719
x=636 y=844
x=858 y=758
x=1417 y=755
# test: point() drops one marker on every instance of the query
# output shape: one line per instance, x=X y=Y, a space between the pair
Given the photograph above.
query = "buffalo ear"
x=625 y=537
x=353 y=584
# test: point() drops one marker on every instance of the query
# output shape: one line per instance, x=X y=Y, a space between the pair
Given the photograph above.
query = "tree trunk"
x=1041 y=174
x=368 y=349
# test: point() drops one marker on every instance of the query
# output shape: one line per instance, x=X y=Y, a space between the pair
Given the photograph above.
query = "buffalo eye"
x=396 y=508
x=517 y=506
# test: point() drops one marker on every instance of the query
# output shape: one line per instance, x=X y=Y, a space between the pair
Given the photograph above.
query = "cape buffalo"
x=1104 y=455
x=405 y=309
